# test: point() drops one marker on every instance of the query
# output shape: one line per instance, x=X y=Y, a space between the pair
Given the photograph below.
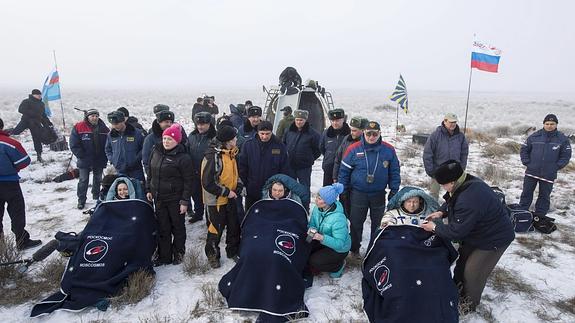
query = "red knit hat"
x=174 y=131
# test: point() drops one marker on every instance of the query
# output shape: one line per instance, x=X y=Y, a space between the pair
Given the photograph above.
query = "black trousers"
x=324 y=259
x=171 y=230
x=221 y=218
x=250 y=200
x=360 y=204
x=34 y=131
x=198 y=199
x=328 y=175
x=472 y=269
x=11 y=194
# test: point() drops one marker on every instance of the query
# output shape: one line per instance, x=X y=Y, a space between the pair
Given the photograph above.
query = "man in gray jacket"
x=447 y=142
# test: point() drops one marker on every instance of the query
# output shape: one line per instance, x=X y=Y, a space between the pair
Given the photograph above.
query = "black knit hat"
x=551 y=117
x=36 y=92
x=124 y=111
x=224 y=121
x=115 y=117
x=226 y=133
x=448 y=172
x=161 y=107
x=254 y=111
x=165 y=115
x=336 y=114
x=90 y=112
x=265 y=126
x=203 y=117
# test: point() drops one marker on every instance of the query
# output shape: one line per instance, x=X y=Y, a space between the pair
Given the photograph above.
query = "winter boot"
x=337 y=274
x=214 y=262
x=39 y=158
x=178 y=258
x=28 y=243
x=81 y=204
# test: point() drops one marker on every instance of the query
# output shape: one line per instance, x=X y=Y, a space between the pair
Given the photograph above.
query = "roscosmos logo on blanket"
x=95 y=250
x=381 y=276
x=286 y=244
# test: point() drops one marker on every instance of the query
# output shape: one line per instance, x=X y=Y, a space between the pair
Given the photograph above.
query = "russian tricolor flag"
x=485 y=57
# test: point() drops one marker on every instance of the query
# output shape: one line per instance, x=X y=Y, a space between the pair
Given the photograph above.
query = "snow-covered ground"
x=543 y=262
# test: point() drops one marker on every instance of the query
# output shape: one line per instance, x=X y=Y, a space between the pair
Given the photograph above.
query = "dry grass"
x=566 y=305
x=570 y=168
x=211 y=296
x=507 y=281
x=496 y=150
x=138 y=287
x=194 y=263
x=411 y=151
x=486 y=312
x=494 y=174
x=8 y=253
x=500 y=131
x=479 y=137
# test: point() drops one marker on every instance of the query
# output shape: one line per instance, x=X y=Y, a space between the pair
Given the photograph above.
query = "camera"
x=310 y=233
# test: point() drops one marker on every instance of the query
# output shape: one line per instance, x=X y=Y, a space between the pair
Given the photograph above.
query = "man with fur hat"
x=302 y=142
x=368 y=167
x=249 y=129
x=260 y=158
x=132 y=120
x=445 y=143
x=87 y=143
x=13 y=158
x=478 y=220
x=221 y=185
x=285 y=122
x=124 y=146
x=544 y=153
x=33 y=117
x=164 y=119
x=198 y=143
x=330 y=140
x=356 y=127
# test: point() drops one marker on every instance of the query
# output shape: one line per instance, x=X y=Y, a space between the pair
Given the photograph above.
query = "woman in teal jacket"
x=331 y=242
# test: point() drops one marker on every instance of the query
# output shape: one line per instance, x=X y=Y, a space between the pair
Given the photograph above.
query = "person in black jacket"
x=478 y=220
x=302 y=143
x=169 y=186
x=198 y=143
x=33 y=113
x=331 y=139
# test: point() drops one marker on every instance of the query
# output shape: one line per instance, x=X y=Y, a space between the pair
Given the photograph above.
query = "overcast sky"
x=173 y=44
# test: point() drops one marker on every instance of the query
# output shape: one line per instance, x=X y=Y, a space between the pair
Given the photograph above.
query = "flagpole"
x=467 y=104
x=61 y=104
x=397 y=120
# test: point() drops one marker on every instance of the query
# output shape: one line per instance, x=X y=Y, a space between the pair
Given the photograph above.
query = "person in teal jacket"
x=331 y=242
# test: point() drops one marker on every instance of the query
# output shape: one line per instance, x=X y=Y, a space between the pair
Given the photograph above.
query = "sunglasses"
x=372 y=133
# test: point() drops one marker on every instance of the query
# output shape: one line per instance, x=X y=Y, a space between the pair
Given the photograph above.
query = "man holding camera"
x=368 y=167
x=208 y=105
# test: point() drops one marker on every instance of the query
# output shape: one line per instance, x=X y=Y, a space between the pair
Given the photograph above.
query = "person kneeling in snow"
x=331 y=241
x=411 y=205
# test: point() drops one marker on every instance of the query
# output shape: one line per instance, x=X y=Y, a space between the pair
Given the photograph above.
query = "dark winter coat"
x=544 y=153
x=476 y=217
x=198 y=144
x=345 y=142
x=155 y=137
x=124 y=151
x=13 y=158
x=134 y=122
x=237 y=117
x=246 y=131
x=88 y=143
x=353 y=171
x=329 y=142
x=170 y=174
x=283 y=125
x=441 y=147
x=303 y=146
x=260 y=160
x=32 y=110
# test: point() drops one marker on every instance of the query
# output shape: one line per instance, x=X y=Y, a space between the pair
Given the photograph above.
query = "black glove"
x=389 y=196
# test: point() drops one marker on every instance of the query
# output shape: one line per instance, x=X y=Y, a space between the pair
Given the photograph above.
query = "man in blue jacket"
x=447 y=142
x=260 y=158
x=124 y=147
x=544 y=153
x=249 y=129
x=302 y=142
x=13 y=158
x=368 y=167
x=330 y=141
x=87 y=142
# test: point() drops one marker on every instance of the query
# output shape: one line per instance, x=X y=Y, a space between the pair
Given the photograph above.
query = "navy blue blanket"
x=119 y=239
x=407 y=277
x=273 y=254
